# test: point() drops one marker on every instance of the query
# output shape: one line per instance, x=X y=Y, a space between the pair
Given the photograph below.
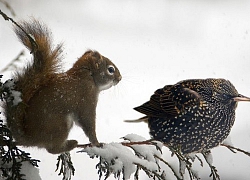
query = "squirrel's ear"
x=97 y=58
x=94 y=58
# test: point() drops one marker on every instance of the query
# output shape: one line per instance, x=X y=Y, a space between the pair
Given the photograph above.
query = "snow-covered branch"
x=136 y=154
x=117 y=159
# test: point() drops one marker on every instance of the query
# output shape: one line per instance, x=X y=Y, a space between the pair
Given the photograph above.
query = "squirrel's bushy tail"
x=46 y=59
x=43 y=67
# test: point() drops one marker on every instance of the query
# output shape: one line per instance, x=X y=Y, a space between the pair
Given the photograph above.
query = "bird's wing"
x=170 y=101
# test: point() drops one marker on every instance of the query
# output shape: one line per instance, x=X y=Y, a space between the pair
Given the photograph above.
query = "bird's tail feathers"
x=142 y=119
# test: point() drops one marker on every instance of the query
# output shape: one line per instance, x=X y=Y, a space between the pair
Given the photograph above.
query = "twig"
x=84 y=145
x=147 y=142
x=172 y=169
x=199 y=159
x=237 y=149
x=149 y=173
x=11 y=64
x=32 y=41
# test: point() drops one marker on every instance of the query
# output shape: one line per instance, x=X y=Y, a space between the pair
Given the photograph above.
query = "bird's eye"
x=226 y=96
x=111 y=69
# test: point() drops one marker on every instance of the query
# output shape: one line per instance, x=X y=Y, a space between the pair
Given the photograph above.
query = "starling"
x=192 y=115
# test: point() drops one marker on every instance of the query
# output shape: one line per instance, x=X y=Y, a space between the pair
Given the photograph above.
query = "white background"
x=153 y=43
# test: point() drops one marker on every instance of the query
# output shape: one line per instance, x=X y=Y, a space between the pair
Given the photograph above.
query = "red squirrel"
x=52 y=100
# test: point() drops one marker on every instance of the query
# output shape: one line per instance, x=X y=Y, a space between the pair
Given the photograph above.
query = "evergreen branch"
x=184 y=163
x=151 y=174
x=172 y=169
x=11 y=156
x=66 y=166
x=214 y=173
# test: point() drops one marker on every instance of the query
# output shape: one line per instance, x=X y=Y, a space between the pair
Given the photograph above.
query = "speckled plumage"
x=193 y=115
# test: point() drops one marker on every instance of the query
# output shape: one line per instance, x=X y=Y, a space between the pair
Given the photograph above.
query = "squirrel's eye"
x=111 y=69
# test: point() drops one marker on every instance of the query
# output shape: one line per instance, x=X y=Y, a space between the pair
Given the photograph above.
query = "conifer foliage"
x=12 y=157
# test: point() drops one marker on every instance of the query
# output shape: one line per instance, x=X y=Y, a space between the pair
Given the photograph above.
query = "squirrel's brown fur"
x=52 y=100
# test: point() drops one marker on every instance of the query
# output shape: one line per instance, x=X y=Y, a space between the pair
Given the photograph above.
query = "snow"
x=134 y=137
x=228 y=141
x=196 y=173
x=17 y=97
x=146 y=151
x=14 y=95
x=122 y=157
x=152 y=44
x=30 y=172
x=182 y=167
x=209 y=158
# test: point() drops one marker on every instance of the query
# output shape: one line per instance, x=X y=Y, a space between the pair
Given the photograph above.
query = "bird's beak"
x=241 y=98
